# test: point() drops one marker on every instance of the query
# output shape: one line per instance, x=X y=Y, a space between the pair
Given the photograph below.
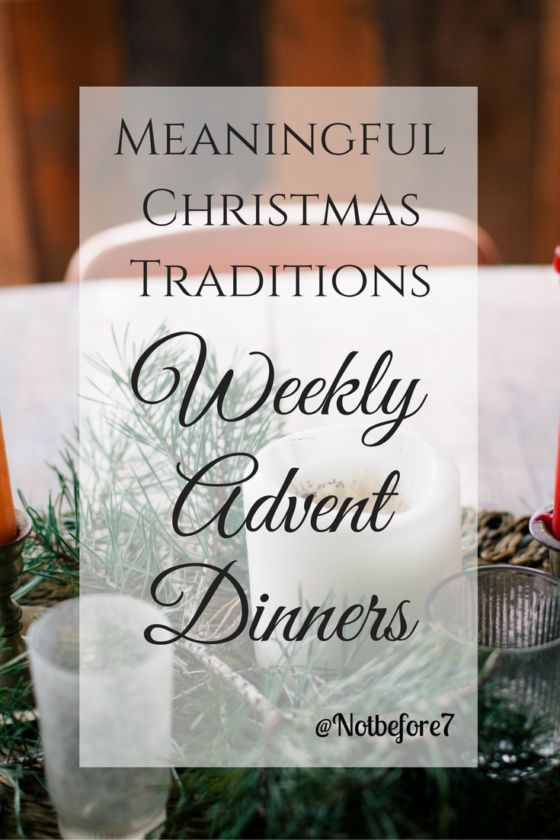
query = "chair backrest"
x=439 y=238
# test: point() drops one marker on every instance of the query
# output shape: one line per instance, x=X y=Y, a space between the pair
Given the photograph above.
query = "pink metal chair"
x=440 y=238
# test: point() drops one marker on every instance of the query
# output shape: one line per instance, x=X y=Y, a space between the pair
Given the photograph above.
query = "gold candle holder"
x=11 y=567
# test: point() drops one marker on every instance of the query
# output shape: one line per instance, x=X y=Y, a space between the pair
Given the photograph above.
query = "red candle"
x=555 y=524
x=555 y=521
x=8 y=524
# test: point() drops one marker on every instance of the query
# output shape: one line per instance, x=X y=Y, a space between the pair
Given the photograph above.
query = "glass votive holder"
x=516 y=611
x=104 y=696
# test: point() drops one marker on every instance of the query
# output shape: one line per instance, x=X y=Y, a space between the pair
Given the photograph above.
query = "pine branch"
x=236 y=803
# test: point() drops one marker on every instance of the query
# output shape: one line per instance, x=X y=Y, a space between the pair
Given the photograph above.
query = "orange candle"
x=555 y=524
x=8 y=524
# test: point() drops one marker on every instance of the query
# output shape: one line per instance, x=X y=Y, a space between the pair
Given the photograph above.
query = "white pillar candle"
x=418 y=548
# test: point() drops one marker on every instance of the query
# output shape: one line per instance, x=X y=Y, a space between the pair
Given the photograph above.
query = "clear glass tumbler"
x=517 y=612
x=102 y=677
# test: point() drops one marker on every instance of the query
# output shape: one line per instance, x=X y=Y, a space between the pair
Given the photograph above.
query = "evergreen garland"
x=272 y=803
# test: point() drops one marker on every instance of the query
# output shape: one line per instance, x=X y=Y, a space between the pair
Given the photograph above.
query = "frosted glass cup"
x=93 y=672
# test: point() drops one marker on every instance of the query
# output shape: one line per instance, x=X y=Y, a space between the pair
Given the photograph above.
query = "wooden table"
x=519 y=383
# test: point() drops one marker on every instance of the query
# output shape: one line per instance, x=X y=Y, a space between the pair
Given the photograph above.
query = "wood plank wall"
x=55 y=46
x=50 y=47
x=545 y=232
x=344 y=35
x=494 y=44
x=18 y=262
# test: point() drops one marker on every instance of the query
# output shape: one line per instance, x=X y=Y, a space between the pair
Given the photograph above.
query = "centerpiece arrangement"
x=514 y=743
